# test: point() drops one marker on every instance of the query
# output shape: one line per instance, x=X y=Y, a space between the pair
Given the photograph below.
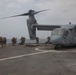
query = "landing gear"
x=57 y=47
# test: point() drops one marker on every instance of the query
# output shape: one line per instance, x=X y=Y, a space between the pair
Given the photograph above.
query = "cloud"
x=24 y=1
x=62 y=11
x=12 y=5
x=0 y=3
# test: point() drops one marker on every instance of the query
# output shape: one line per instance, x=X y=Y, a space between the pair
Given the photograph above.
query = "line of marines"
x=3 y=41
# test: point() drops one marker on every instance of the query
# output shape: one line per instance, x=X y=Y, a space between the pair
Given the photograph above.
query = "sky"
x=61 y=12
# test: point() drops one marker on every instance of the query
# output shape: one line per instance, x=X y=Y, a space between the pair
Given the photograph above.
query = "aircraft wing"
x=46 y=27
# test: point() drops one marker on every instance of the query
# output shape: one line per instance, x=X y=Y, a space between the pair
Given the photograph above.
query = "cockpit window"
x=57 y=32
x=54 y=32
x=60 y=32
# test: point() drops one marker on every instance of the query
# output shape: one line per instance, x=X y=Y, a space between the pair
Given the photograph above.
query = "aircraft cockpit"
x=60 y=32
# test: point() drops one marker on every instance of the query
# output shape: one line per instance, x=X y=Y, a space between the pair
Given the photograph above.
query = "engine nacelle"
x=32 y=31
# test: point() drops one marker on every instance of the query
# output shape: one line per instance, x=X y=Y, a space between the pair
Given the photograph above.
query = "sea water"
x=28 y=41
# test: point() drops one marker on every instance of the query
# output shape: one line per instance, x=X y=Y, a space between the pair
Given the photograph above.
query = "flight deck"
x=23 y=60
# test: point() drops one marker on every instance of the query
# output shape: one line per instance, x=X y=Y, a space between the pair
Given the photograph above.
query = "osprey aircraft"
x=62 y=35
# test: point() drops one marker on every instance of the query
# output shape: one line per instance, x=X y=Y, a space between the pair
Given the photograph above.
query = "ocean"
x=28 y=41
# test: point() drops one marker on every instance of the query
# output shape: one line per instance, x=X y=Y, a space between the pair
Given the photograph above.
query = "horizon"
x=61 y=12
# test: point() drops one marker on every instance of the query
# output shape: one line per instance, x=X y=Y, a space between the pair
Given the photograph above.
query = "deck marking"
x=55 y=51
x=25 y=55
x=39 y=49
x=37 y=53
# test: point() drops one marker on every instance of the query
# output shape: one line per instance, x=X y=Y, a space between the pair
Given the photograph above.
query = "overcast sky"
x=61 y=12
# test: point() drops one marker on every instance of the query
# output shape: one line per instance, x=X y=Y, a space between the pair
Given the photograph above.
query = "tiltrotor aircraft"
x=62 y=35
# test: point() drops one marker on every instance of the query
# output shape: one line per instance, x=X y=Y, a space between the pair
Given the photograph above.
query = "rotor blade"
x=25 y=14
x=41 y=11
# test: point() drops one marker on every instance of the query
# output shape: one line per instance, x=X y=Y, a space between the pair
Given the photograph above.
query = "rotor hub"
x=31 y=12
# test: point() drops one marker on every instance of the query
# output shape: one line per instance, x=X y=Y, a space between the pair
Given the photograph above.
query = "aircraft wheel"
x=57 y=47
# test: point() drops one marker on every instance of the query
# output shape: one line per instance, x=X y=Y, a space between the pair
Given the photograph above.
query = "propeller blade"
x=25 y=14
x=41 y=11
